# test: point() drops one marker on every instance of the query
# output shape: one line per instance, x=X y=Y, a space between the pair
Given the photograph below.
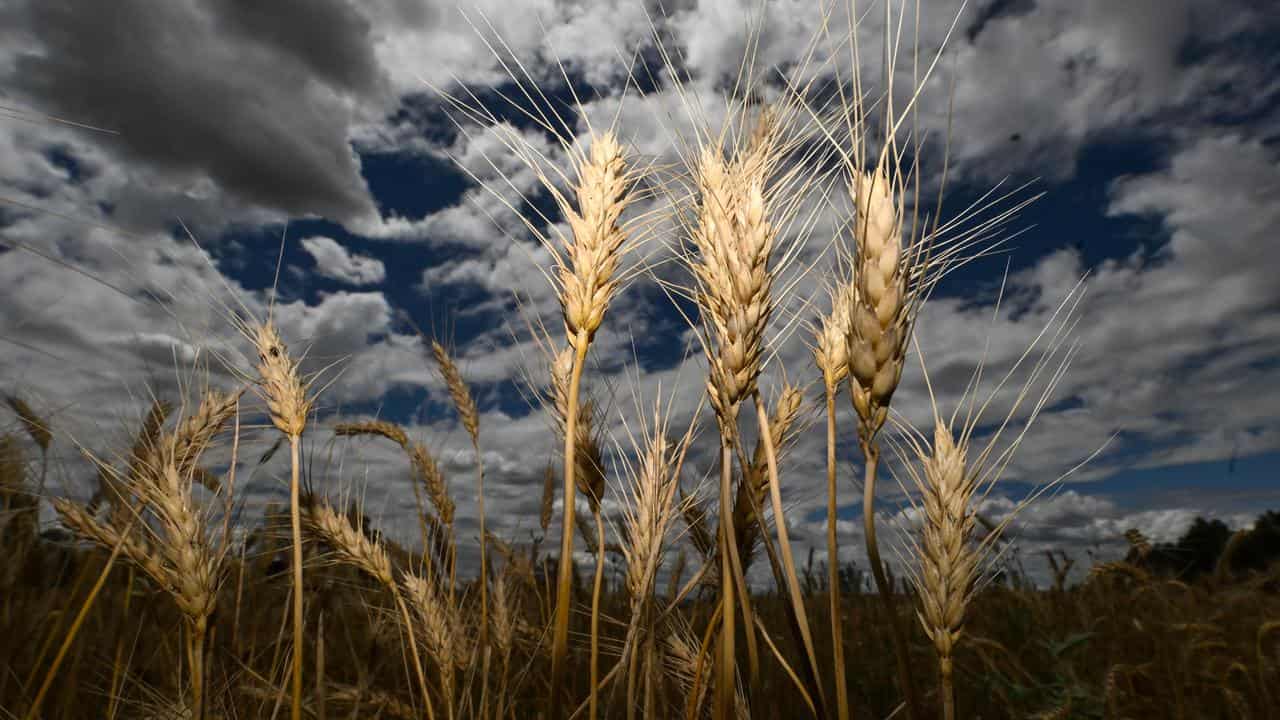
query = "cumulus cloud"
x=1033 y=87
x=334 y=262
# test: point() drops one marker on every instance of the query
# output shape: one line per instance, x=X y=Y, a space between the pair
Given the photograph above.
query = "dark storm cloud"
x=186 y=98
x=329 y=37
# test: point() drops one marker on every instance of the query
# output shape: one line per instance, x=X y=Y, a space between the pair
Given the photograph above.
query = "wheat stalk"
x=426 y=472
x=895 y=266
x=465 y=405
x=177 y=555
x=355 y=547
x=651 y=506
x=36 y=428
x=586 y=271
x=585 y=276
x=589 y=479
x=831 y=355
x=880 y=320
x=547 y=505
x=738 y=216
x=951 y=559
x=948 y=560
x=281 y=386
x=733 y=242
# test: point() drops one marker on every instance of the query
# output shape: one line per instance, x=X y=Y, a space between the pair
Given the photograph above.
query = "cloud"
x=234 y=114
x=1065 y=72
x=330 y=38
x=251 y=111
x=483 y=217
x=333 y=261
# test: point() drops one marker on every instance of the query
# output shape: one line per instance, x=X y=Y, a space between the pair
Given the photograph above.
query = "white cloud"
x=1176 y=347
x=333 y=261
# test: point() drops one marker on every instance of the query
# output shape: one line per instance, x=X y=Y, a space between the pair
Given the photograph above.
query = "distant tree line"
x=1206 y=543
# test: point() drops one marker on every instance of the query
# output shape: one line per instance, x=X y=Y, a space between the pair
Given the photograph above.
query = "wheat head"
x=458 y=391
x=880 y=322
x=421 y=461
x=437 y=624
x=587 y=275
x=948 y=558
x=831 y=344
x=733 y=240
x=281 y=384
x=351 y=545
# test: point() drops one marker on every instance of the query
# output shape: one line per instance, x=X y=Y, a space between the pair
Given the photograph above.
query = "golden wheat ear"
x=159 y=527
x=469 y=416
x=280 y=384
x=593 y=196
x=649 y=507
x=949 y=479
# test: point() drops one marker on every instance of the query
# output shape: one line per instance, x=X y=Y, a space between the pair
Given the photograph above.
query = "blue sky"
x=1152 y=127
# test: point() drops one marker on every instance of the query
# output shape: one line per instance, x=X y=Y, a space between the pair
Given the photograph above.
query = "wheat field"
x=156 y=599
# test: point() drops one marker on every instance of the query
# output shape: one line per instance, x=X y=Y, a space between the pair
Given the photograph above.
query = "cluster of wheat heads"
x=155 y=522
x=737 y=212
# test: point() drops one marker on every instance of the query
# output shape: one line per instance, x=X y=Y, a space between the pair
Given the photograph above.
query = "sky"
x=164 y=164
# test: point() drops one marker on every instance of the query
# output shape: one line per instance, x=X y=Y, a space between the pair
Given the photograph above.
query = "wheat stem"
x=593 y=698
x=320 y=689
x=947 y=688
x=484 y=582
x=724 y=687
x=469 y=415
x=871 y=457
x=560 y=636
x=833 y=560
x=784 y=545
x=117 y=677
x=632 y=670
x=295 y=523
x=196 y=635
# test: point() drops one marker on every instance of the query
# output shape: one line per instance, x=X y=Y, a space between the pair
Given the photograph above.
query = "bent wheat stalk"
x=354 y=546
x=469 y=415
x=437 y=532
